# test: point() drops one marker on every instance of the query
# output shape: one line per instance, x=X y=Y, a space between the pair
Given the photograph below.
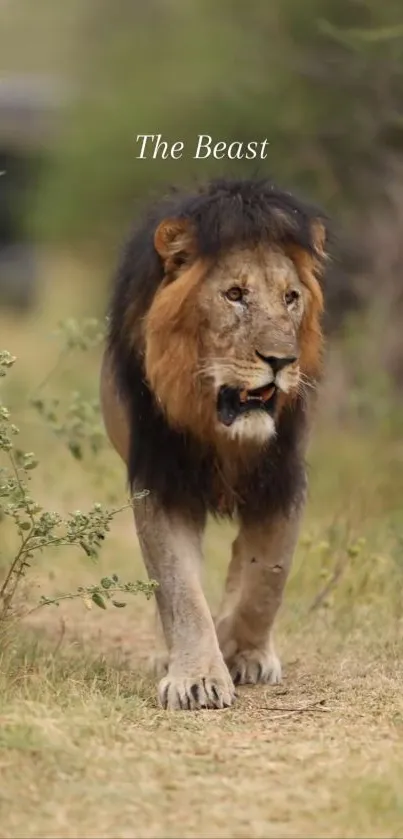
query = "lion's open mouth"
x=232 y=402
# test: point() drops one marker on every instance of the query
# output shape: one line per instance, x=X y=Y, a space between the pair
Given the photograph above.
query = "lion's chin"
x=256 y=427
x=247 y=416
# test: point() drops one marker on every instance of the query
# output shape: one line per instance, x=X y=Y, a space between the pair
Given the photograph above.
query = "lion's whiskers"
x=305 y=384
x=305 y=380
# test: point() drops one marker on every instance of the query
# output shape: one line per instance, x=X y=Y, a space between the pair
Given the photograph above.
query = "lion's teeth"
x=263 y=396
x=268 y=393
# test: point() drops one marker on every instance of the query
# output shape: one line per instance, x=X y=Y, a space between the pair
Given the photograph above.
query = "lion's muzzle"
x=232 y=402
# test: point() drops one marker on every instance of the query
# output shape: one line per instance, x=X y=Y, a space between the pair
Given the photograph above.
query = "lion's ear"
x=319 y=235
x=173 y=240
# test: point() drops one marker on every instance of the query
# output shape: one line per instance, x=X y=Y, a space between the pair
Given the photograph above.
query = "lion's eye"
x=291 y=296
x=235 y=294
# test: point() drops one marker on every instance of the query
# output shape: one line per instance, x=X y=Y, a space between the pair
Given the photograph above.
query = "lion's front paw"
x=182 y=692
x=254 y=666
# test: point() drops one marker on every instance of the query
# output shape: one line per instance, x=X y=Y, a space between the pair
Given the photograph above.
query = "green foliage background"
x=322 y=80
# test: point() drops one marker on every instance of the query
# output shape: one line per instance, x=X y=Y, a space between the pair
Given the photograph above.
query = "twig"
x=341 y=565
x=60 y=359
x=20 y=486
x=61 y=637
x=13 y=568
x=317 y=705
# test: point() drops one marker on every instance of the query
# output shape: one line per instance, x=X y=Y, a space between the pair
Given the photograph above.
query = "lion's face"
x=251 y=304
x=227 y=344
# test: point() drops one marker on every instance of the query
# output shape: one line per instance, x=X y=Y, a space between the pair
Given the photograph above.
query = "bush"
x=34 y=528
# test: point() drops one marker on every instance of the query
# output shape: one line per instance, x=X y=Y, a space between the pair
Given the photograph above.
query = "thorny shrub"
x=36 y=528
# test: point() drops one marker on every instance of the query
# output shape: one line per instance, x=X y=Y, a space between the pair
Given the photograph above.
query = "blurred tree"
x=322 y=80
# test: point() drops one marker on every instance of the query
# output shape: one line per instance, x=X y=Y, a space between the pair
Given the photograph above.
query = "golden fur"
x=174 y=330
x=214 y=297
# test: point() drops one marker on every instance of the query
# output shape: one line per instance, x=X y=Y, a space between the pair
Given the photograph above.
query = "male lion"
x=213 y=354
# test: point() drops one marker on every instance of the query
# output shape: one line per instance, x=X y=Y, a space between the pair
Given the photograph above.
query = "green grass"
x=85 y=750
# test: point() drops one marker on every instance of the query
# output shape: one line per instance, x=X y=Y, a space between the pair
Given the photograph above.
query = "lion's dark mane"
x=173 y=465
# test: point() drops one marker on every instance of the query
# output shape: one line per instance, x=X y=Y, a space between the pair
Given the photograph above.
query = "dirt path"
x=86 y=752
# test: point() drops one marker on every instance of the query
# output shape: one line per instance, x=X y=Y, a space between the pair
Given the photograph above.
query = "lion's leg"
x=261 y=559
x=171 y=546
x=159 y=658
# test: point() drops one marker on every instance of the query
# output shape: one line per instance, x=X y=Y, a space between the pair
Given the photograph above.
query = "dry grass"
x=84 y=749
x=86 y=752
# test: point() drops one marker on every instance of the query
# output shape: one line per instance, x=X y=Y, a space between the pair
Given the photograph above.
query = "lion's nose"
x=276 y=362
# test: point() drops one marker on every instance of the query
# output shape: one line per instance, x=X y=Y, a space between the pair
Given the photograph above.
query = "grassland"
x=84 y=749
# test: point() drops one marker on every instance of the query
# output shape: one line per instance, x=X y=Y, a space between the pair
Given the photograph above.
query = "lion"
x=213 y=356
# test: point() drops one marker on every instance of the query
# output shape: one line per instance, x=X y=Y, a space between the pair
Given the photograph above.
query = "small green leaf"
x=85 y=547
x=98 y=600
x=31 y=464
x=119 y=604
x=75 y=450
x=25 y=525
x=106 y=582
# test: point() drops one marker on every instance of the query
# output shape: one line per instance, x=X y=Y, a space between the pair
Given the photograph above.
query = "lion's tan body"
x=200 y=653
x=113 y=411
x=244 y=323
